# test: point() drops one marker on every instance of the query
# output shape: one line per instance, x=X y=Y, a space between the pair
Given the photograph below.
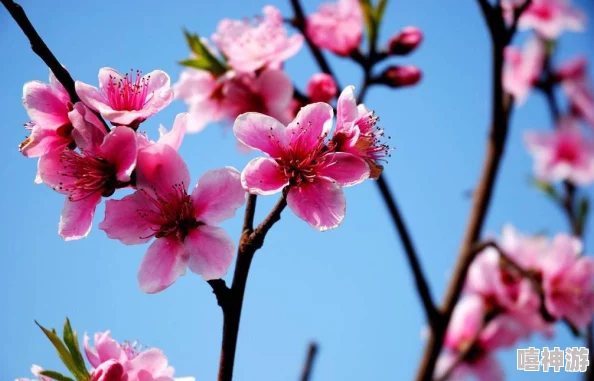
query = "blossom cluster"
x=520 y=287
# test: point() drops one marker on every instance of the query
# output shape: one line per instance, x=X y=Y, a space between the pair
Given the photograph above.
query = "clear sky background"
x=349 y=289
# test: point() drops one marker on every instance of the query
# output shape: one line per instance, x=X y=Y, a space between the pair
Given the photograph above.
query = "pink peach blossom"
x=129 y=361
x=127 y=99
x=104 y=163
x=522 y=69
x=568 y=281
x=300 y=160
x=48 y=106
x=321 y=88
x=213 y=99
x=564 y=154
x=549 y=18
x=481 y=367
x=574 y=78
x=357 y=132
x=36 y=370
x=249 y=46
x=184 y=224
x=337 y=26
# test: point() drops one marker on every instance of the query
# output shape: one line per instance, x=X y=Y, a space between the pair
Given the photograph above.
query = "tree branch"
x=249 y=243
x=501 y=108
x=299 y=22
x=312 y=350
x=411 y=254
x=40 y=48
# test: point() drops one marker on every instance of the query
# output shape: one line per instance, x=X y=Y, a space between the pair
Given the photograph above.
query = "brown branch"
x=501 y=108
x=40 y=48
x=517 y=13
x=409 y=249
x=299 y=22
x=312 y=350
x=250 y=241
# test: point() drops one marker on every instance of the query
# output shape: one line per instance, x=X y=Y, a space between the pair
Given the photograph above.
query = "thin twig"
x=517 y=13
x=250 y=241
x=299 y=22
x=409 y=249
x=501 y=108
x=40 y=48
x=312 y=350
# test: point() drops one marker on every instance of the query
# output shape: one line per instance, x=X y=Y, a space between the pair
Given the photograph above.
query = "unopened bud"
x=407 y=40
x=321 y=88
x=398 y=76
x=109 y=371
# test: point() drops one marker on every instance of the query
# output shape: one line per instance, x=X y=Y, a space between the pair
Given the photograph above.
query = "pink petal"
x=119 y=148
x=261 y=132
x=320 y=203
x=44 y=105
x=312 y=123
x=43 y=141
x=107 y=348
x=203 y=112
x=263 y=176
x=211 y=251
x=346 y=107
x=217 y=195
x=159 y=168
x=276 y=88
x=488 y=369
x=128 y=219
x=194 y=85
x=152 y=360
x=77 y=217
x=90 y=352
x=50 y=169
x=164 y=262
x=59 y=89
x=346 y=169
x=159 y=85
x=174 y=137
x=89 y=131
x=93 y=97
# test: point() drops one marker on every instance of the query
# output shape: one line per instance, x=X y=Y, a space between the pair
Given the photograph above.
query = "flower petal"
x=44 y=105
x=211 y=251
x=129 y=219
x=152 y=360
x=92 y=355
x=320 y=203
x=88 y=131
x=260 y=132
x=346 y=169
x=159 y=169
x=108 y=348
x=119 y=148
x=164 y=262
x=217 y=195
x=77 y=217
x=263 y=176
x=346 y=107
x=43 y=141
x=312 y=123
x=174 y=137
x=51 y=172
x=276 y=89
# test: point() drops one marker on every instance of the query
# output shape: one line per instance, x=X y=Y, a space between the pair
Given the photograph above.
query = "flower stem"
x=312 y=350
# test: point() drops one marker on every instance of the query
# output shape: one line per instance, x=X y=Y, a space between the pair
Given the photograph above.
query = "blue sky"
x=349 y=289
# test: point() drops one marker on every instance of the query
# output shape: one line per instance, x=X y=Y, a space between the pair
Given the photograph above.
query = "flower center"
x=128 y=93
x=175 y=213
x=91 y=174
x=542 y=11
x=567 y=151
x=302 y=165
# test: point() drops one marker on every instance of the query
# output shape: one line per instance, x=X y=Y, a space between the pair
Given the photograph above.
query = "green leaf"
x=203 y=59
x=71 y=341
x=547 y=189
x=65 y=356
x=582 y=212
x=55 y=375
x=379 y=12
x=373 y=17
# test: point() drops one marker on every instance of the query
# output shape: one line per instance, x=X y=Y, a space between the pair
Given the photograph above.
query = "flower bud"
x=321 y=88
x=407 y=40
x=108 y=371
x=398 y=76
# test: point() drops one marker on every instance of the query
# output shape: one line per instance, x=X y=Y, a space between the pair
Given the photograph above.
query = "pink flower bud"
x=321 y=88
x=397 y=76
x=407 y=40
x=109 y=371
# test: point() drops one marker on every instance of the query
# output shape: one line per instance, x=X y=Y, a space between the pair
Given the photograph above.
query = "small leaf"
x=203 y=59
x=65 y=356
x=547 y=189
x=369 y=18
x=55 y=375
x=582 y=212
x=379 y=12
x=71 y=341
